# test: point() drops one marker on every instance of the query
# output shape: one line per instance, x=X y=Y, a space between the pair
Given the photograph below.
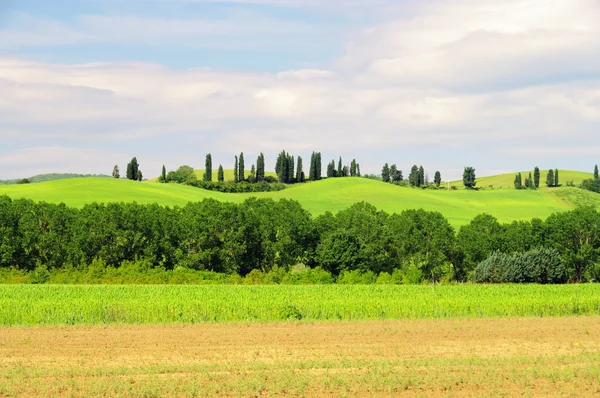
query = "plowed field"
x=481 y=357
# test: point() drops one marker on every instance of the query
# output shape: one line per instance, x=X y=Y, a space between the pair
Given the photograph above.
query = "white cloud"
x=460 y=82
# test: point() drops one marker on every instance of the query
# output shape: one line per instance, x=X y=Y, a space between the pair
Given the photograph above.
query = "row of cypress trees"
x=533 y=182
x=416 y=178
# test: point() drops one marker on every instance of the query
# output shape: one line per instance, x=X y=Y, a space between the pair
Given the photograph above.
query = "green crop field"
x=458 y=206
x=66 y=305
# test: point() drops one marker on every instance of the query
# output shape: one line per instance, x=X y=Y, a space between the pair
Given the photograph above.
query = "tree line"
x=260 y=234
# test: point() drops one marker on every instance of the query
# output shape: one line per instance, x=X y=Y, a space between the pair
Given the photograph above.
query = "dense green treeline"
x=262 y=235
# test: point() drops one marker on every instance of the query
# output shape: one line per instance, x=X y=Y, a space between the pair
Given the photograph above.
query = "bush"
x=540 y=265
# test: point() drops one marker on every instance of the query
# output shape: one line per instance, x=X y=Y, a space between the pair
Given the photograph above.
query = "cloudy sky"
x=500 y=85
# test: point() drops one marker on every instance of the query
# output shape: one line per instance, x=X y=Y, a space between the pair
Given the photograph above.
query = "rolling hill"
x=458 y=206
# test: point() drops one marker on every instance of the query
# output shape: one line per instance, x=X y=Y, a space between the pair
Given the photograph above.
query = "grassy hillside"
x=507 y=180
x=52 y=177
x=318 y=197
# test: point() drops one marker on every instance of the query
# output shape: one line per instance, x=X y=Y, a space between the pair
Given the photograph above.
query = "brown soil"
x=531 y=356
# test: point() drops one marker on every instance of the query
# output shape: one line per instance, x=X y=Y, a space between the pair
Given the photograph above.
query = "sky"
x=498 y=85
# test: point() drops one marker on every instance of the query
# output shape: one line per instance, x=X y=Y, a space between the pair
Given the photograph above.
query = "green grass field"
x=458 y=206
x=67 y=305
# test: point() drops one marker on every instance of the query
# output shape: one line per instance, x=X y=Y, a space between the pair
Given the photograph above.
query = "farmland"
x=333 y=195
x=476 y=357
x=50 y=305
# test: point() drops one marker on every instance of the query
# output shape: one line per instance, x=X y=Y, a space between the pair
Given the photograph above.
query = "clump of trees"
x=353 y=170
x=133 y=170
x=416 y=178
x=552 y=178
x=592 y=184
x=261 y=234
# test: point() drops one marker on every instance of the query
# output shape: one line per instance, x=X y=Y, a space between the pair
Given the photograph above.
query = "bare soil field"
x=487 y=357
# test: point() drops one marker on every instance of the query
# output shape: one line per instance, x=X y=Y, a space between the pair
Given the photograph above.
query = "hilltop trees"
x=260 y=168
x=163 y=175
x=314 y=173
x=469 y=178
x=437 y=179
x=536 y=177
x=115 y=172
x=220 y=174
x=299 y=171
x=133 y=170
x=208 y=168
x=518 y=181
x=550 y=178
x=395 y=174
x=285 y=167
x=236 y=175
x=241 y=175
x=385 y=173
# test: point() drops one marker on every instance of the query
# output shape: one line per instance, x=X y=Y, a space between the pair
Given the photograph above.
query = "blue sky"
x=497 y=85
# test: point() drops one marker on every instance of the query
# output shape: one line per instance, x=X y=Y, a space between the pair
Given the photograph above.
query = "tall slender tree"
x=221 y=174
x=556 y=183
x=115 y=172
x=357 y=170
x=318 y=165
x=437 y=179
x=299 y=171
x=242 y=175
x=596 y=172
x=208 y=168
x=132 y=169
x=340 y=169
x=421 y=176
x=260 y=168
x=311 y=172
x=385 y=173
x=236 y=171
x=290 y=168
x=252 y=177
x=536 y=177
x=413 y=177
x=163 y=174
x=550 y=178
x=353 y=168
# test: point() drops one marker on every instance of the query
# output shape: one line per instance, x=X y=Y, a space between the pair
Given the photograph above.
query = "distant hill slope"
x=508 y=180
x=53 y=177
x=335 y=194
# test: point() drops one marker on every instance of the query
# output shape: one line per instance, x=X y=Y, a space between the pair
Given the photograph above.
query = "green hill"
x=458 y=206
x=52 y=177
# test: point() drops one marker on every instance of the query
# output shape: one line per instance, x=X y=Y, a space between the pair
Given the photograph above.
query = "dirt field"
x=531 y=356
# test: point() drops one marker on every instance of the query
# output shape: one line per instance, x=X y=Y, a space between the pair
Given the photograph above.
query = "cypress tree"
x=129 y=172
x=340 y=169
x=518 y=181
x=413 y=177
x=357 y=170
x=353 y=168
x=260 y=168
x=536 y=177
x=385 y=173
x=299 y=172
x=139 y=175
x=312 y=175
x=236 y=175
x=208 y=168
x=290 y=168
x=531 y=182
x=596 y=172
x=221 y=174
x=550 y=178
x=164 y=174
x=318 y=166
x=331 y=169
x=252 y=177
x=242 y=167
x=437 y=179
x=421 y=176
x=556 y=184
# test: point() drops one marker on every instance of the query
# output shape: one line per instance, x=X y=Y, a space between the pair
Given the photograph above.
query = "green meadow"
x=459 y=206
x=28 y=305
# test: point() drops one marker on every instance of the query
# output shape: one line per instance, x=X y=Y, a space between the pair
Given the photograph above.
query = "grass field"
x=484 y=357
x=27 y=305
x=318 y=197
